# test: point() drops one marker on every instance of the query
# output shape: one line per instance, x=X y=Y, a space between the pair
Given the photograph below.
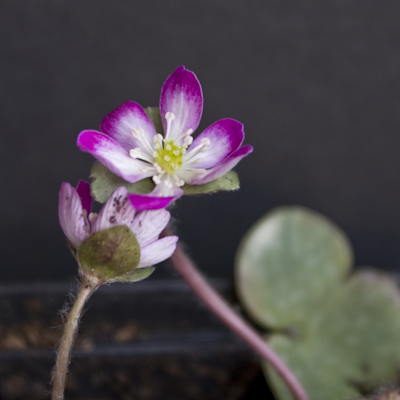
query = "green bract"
x=155 y=116
x=111 y=254
x=105 y=182
x=338 y=335
x=136 y=275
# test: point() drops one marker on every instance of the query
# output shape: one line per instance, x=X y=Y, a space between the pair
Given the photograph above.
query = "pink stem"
x=222 y=310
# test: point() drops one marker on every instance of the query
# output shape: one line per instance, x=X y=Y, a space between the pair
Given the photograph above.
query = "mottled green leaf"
x=229 y=181
x=339 y=337
x=155 y=116
x=350 y=341
x=136 y=275
x=110 y=253
x=106 y=182
x=289 y=259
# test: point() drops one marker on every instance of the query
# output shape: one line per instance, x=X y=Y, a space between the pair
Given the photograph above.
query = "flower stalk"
x=67 y=340
x=227 y=315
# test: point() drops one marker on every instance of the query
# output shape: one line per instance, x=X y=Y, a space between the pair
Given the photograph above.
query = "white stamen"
x=158 y=138
x=157 y=168
x=192 y=154
x=175 y=166
x=138 y=153
x=186 y=133
x=167 y=158
x=155 y=154
x=136 y=133
x=205 y=142
x=147 y=143
x=179 y=183
x=168 y=147
x=168 y=184
x=183 y=151
x=156 y=179
x=176 y=152
x=169 y=116
x=187 y=141
x=135 y=153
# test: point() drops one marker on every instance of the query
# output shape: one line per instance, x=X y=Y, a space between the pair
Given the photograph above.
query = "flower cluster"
x=130 y=147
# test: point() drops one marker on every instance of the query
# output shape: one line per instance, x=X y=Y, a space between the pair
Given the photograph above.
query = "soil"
x=147 y=341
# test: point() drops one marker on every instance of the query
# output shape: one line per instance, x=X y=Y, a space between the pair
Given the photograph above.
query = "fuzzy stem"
x=67 y=339
x=224 y=311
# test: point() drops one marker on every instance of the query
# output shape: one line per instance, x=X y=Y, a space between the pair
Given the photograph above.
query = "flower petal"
x=117 y=211
x=222 y=168
x=113 y=156
x=147 y=202
x=83 y=190
x=120 y=123
x=147 y=225
x=157 y=251
x=155 y=199
x=225 y=137
x=70 y=214
x=181 y=94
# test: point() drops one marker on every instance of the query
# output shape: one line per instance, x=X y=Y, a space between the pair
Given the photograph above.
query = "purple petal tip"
x=144 y=202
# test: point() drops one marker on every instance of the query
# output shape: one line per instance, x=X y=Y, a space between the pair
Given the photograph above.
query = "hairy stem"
x=67 y=339
x=225 y=312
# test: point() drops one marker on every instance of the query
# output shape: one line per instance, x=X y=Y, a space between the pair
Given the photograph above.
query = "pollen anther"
x=169 y=116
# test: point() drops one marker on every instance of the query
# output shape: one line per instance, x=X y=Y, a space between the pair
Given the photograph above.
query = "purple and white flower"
x=129 y=145
x=78 y=223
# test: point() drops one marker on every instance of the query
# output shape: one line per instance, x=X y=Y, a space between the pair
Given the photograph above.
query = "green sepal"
x=136 y=275
x=106 y=182
x=110 y=253
x=229 y=181
x=155 y=116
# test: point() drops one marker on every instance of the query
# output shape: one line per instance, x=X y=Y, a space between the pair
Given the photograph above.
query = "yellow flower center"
x=169 y=156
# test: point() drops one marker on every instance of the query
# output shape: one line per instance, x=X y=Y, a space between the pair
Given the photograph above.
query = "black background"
x=316 y=84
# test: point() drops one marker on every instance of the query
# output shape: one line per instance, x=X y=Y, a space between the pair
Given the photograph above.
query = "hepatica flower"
x=117 y=241
x=130 y=147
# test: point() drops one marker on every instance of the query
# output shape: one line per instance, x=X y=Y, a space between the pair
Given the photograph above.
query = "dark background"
x=316 y=84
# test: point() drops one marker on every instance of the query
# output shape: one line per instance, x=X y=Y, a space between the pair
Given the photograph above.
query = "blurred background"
x=316 y=84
